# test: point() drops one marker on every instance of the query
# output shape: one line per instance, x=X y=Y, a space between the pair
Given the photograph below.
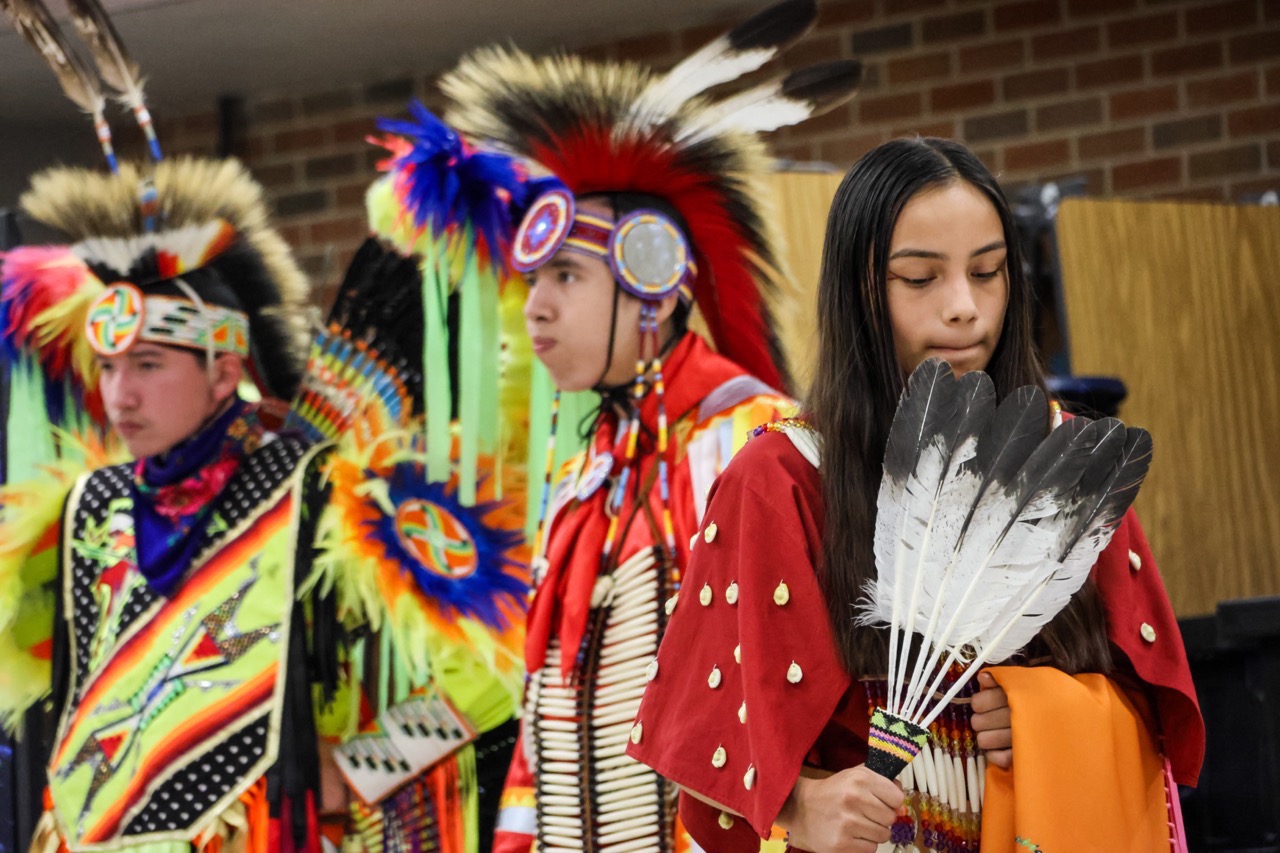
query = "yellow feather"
x=65 y=322
x=30 y=516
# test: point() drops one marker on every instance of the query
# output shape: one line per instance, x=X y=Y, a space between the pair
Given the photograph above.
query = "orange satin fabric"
x=1087 y=774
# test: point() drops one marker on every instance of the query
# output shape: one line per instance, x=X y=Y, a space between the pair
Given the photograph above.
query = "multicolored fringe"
x=451 y=203
x=425 y=815
x=943 y=781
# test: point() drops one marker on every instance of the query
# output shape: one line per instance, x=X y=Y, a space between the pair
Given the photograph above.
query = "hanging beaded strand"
x=539 y=536
x=664 y=488
x=613 y=503
x=616 y=495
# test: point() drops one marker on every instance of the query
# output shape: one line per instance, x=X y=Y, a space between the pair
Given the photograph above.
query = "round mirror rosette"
x=649 y=255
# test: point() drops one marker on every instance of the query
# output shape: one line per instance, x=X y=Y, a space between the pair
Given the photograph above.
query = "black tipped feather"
x=824 y=83
x=977 y=554
x=926 y=411
x=1020 y=422
x=1111 y=495
x=777 y=27
x=1056 y=465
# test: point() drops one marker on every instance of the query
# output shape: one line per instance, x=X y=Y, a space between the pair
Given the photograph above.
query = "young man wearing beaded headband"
x=178 y=678
x=169 y=361
x=656 y=219
x=204 y=641
x=213 y=585
x=607 y=311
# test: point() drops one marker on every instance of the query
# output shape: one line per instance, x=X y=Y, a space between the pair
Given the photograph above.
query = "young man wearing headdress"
x=182 y=683
x=657 y=219
x=209 y=594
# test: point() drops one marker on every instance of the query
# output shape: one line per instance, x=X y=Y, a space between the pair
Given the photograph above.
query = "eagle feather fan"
x=985 y=528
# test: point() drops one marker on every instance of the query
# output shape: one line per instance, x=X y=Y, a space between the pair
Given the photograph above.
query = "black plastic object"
x=1235 y=661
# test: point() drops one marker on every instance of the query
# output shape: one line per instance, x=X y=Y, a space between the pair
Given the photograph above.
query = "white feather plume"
x=781 y=102
x=738 y=52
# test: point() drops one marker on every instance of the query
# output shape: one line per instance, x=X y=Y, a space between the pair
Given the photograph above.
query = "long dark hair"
x=858 y=381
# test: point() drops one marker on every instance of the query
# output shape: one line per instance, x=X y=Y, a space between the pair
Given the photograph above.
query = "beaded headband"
x=648 y=254
x=122 y=316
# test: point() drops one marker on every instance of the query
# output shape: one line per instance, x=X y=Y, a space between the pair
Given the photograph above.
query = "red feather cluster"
x=34 y=279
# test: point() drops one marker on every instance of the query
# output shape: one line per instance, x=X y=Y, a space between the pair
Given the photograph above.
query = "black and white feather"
x=782 y=102
x=985 y=526
x=745 y=48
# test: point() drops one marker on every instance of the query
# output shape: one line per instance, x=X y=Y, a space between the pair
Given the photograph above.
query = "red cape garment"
x=763 y=527
x=712 y=405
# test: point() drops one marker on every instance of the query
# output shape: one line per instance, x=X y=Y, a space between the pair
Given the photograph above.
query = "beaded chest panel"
x=174 y=707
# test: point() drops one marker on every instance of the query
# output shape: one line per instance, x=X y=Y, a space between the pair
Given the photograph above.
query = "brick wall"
x=1144 y=98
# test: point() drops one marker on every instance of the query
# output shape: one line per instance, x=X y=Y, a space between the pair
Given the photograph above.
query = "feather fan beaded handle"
x=985 y=528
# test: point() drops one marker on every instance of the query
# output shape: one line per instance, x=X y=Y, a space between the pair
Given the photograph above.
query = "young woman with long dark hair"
x=759 y=700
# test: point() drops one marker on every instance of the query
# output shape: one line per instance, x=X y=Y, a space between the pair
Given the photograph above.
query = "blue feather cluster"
x=447 y=183
x=477 y=595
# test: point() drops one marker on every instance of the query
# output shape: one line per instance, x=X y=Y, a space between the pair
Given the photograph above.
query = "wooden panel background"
x=801 y=201
x=1182 y=301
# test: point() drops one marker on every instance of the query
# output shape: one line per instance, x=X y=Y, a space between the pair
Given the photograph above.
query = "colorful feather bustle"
x=420 y=377
x=447 y=185
x=422 y=538
x=364 y=371
x=453 y=204
x=30 y=516
x=446 y=581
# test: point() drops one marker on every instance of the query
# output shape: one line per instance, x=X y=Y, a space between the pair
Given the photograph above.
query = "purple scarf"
x=174 y=493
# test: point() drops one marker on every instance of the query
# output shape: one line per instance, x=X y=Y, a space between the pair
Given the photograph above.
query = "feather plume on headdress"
x=212 y=216
x=117 y=68
x=34 y=23
x=417 y=539
x=624 y=128
x=450 y=203
x=984 y=530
